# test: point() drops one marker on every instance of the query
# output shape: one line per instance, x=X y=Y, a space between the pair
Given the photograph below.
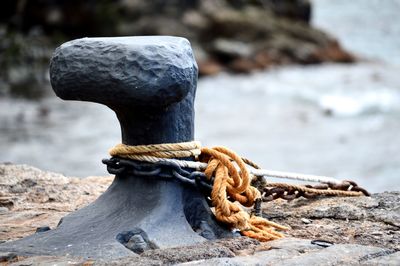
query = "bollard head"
x=124 y=71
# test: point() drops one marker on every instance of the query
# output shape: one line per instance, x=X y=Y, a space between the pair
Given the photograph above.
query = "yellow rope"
x=231 y=185
x=151 y=153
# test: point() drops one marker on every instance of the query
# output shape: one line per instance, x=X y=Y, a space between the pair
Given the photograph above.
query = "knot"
x=232 y=186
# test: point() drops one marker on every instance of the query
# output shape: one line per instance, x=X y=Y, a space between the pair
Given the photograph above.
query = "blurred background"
x=296 y=85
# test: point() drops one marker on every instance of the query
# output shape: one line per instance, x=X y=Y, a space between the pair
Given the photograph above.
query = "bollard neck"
x=156 y=125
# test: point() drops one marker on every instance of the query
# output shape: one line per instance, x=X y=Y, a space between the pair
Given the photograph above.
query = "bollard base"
x=133 y=215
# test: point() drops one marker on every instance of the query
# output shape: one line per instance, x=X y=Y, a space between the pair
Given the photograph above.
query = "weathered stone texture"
x=365 y=231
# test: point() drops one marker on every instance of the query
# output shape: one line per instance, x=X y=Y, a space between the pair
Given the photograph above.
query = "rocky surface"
x=30 y=198
x=366 y=220
x=364 y=230
x=227 y=35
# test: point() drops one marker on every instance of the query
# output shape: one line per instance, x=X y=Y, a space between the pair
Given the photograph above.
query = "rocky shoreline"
x=364 y=230
x=234 y=36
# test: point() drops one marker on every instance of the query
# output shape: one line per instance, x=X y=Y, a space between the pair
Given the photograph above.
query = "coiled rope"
x=157 y=152
x=232 y=181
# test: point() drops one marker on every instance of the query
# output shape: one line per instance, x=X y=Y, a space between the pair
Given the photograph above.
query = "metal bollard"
x=150 y=83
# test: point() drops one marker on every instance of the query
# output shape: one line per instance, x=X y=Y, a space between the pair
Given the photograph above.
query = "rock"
x=136 y=261
x=364 y=230
x=45 y=203
x=332 y=52
x=209 y=67
x=24 y=65
x=292 y=9
x=49 y=261
x=6 y=202
x=343 y=254
x=271 y=257
x=301 y=252
x=299 y=245
x=269 y=34
x=225 y=29
x=342 y=220
x=241 y=245
x=381 y=258
x=195 y=20
x=137 y=244
x=265 y=59
x=231 y=49
x=136 y=240
x=243 y=65
x=42 y=229
x=225 y=248
x=183 y=254
x=7 y=257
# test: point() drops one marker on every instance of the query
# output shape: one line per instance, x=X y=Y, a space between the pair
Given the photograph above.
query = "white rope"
x=257 y=172
x=295 y=176
x=182 y=163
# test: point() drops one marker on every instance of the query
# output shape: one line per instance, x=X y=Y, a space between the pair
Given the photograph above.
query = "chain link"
x=163 y=170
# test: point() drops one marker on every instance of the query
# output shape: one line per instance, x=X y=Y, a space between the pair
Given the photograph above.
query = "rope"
x=232 y=181
x=230 y=184
x=257 y=171
x=295 y=176
x=155 y=152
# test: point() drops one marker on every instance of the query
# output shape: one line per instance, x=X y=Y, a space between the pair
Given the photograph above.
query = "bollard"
x=150 y=83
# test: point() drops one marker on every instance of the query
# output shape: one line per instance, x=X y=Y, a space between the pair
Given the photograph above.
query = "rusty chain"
x=270 y=193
